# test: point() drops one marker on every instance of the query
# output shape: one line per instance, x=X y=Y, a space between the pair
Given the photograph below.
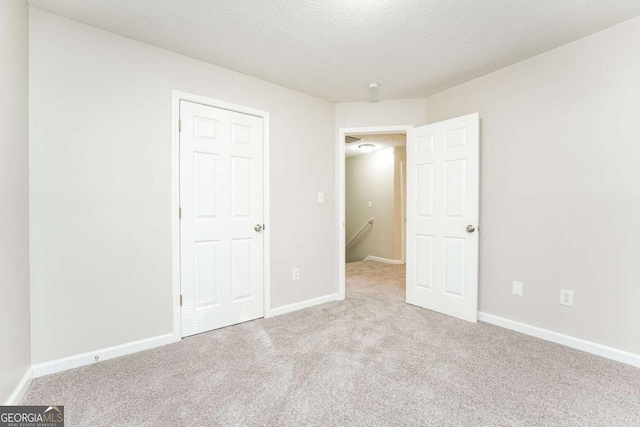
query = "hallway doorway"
x=374 y=197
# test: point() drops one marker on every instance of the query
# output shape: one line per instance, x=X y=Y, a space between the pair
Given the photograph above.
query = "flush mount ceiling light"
x=366 y=148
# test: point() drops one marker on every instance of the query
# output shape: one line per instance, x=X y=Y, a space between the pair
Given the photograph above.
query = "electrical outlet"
x=296 y=274
x=566 y=297
x=370 y=204
x=518 y=288
x=320 y=197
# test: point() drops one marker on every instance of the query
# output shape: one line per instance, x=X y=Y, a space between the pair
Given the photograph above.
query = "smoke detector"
x=373 y=92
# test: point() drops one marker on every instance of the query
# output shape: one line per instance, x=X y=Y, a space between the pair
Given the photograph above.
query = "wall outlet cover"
x=518 y=289
x=566 y=297
x=296 y=274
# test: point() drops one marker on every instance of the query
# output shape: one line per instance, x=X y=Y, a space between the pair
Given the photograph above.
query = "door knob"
x=257 y=227
x=470 y=229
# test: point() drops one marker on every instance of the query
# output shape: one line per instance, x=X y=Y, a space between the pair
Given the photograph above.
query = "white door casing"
x=221 y=201
x=443 y=179
x=403 y=211
x=340 y=191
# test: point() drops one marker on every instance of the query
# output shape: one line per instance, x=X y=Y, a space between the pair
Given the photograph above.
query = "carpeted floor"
x=370 y=360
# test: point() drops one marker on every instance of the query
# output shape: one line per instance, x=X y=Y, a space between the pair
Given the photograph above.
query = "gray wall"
x=15 y=356
x=100 y=174
x=370 y=178
x=560 y=188
x=376 y=178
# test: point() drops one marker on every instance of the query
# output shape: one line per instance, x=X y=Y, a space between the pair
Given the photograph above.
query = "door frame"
x=176 y=97
x=340 y=190
x=403 y=210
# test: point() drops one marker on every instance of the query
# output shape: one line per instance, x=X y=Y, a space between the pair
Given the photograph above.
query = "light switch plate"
x=320 y=197
x=370 y=204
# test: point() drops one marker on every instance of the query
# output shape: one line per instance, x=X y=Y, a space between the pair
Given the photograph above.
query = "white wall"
x=370 y=178
x=382 y=113
x=560 y=190
x=100 y=185
x=15 y=356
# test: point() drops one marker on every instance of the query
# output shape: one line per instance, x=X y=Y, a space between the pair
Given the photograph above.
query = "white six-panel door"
x=221 y=201
x=442 y=216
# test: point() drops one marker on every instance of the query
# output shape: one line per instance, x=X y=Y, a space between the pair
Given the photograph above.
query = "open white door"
x=442 y=216
x=221 y=200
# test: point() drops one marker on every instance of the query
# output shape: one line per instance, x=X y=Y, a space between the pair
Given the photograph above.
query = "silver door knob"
x=470 y=229
x=257 y=227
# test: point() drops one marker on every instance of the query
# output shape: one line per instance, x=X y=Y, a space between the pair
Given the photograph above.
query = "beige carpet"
x=370 y=360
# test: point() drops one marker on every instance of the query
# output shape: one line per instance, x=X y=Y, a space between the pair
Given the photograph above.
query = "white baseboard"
x=567 y=340
x=88 y=358
x=59 y=365
x=21 y=389
x=385 y=260
x=303 y=304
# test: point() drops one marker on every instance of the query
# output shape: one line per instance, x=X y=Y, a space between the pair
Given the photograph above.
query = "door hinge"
x=180 y=213
x=180 y=300
x=179 y=125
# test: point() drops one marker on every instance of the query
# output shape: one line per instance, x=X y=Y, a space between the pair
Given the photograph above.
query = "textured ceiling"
x=334 y=48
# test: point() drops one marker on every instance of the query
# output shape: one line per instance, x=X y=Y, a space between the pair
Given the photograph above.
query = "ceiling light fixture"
x=366 y=148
